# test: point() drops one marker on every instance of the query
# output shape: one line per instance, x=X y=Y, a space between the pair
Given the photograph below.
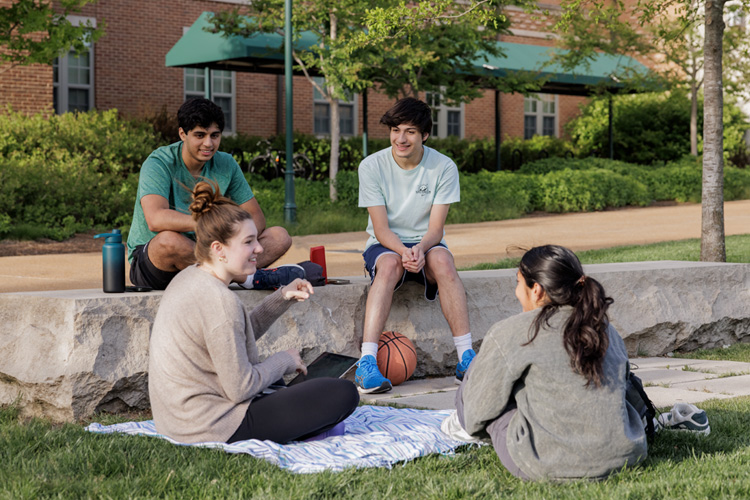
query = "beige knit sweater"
x=203 y=363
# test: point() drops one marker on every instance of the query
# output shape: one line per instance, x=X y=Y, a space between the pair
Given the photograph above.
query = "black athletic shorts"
x=144 y=273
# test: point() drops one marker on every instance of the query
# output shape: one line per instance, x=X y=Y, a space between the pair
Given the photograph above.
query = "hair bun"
x=205 y=195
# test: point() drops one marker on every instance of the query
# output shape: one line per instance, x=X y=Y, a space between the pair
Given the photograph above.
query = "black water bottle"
x=113 y=262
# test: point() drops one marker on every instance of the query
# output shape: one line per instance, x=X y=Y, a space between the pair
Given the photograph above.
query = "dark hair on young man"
x=409 y=110
x=560 y=274
x=199 y=112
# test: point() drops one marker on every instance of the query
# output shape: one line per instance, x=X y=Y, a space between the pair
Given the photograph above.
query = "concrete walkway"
x=470 y=243
x=667 y=381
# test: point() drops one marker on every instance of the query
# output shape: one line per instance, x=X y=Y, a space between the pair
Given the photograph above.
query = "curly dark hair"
x=199 y=112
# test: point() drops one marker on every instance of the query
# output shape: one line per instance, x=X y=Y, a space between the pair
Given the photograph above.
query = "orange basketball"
x=397 y=357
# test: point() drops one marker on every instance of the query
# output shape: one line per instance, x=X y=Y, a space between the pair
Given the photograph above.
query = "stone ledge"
x=69 y=354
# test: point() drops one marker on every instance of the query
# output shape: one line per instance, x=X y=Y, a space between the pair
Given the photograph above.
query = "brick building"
x=126 y=70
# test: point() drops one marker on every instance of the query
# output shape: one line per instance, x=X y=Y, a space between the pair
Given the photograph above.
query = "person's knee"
x=388 y=269
x=171 y=243
x=277 y=239
x=440 y=264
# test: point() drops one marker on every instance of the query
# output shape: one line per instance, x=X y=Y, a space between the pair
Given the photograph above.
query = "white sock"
x=369 y=349
x=248 y=282
x=463 y=344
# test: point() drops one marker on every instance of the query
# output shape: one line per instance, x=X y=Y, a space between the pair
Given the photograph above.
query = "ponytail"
x=560 y=274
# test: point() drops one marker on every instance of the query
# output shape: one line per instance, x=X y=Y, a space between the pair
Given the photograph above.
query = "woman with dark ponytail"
x=206 y=381
x=548 y=386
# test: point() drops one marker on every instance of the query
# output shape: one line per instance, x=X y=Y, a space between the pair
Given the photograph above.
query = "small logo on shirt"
x=422 y=190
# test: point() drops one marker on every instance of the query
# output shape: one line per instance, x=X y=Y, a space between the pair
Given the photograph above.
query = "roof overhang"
x=264 y=53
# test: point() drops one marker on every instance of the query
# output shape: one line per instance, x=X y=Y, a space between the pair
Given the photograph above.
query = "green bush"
x=489 y=196
x=647 y=127
x=651 y=128
x=586 y=190
x=69 y=173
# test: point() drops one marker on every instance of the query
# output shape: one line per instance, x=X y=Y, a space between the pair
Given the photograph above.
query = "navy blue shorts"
x=372 y=254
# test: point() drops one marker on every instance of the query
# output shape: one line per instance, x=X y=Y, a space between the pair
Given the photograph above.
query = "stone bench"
x=68 y=354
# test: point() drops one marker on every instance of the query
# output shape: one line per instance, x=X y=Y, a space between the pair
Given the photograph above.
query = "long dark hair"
x=559 y=272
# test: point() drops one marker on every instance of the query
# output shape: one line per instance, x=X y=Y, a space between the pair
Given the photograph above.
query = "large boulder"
x=69 y=354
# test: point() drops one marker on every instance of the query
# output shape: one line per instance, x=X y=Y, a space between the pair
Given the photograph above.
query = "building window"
x=539 y=115
x=322 y=112
x=222 y=91
x=446 y=120
x=73 y=76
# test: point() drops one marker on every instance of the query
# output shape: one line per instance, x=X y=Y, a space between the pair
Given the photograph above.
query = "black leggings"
x=298 y=412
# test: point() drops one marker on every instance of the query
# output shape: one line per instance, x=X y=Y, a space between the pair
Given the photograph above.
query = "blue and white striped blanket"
x=376 y=436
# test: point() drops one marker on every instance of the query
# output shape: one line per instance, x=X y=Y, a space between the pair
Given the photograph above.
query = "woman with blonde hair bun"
x=549 y=385
x=206 y=381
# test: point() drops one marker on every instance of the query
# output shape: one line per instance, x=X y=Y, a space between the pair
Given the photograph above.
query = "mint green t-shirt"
x=408 y=195
x=164 y=173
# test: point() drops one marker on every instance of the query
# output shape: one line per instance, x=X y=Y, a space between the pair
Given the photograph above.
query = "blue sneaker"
x=273 y=278
x=368 y=378
x=466 y=360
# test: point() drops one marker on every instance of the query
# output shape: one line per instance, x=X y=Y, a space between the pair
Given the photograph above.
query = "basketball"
x=397 y=357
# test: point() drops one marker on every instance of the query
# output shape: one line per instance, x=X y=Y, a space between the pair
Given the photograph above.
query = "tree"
x=681 y=41
x=712 y=194
x=403 y=48
x=612 y=16
x=32 y=31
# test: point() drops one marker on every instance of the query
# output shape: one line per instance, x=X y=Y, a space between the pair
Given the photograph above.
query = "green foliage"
x=647 y=127
x=651 y=128
x=515 y=151
x=492 y=196
x=587 y=190
x=69 y=173
x=36 y=32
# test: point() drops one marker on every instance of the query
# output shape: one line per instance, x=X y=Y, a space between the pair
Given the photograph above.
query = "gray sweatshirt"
x=562 y=428
x=203 y=363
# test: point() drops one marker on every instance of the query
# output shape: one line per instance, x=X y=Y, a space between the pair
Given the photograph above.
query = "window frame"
x=539 y=100
x=320 y=100
x=230 y=126
x=440 y=113
x=61 y=85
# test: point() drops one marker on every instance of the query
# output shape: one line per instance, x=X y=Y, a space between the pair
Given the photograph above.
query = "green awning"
x=264 y=53
x=605 y=69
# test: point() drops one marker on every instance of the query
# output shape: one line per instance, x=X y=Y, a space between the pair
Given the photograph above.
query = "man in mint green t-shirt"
x=407 y=190
x=161 y=238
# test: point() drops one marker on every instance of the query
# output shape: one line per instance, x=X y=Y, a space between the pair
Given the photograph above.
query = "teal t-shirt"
x=164 y=173
x=408 y=195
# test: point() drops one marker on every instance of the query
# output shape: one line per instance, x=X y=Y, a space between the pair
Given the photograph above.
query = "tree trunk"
x=333 y=163
x=693 y=118
x=335 y=140
x=712 y=216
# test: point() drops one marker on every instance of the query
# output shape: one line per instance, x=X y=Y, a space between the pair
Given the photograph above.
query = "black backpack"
x=636 y=396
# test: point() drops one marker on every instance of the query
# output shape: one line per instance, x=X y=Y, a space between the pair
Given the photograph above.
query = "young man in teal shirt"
x=161 y=238
x=407 y=190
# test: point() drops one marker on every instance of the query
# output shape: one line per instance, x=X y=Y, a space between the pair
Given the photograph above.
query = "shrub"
x=71 y=172
x=647 y=127
x=592 y=189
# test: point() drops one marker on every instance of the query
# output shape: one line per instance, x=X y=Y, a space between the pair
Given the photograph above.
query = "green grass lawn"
x=737 y=247
x=40 y=460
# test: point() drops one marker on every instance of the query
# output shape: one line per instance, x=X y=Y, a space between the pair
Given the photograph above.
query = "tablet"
x=327 y=364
